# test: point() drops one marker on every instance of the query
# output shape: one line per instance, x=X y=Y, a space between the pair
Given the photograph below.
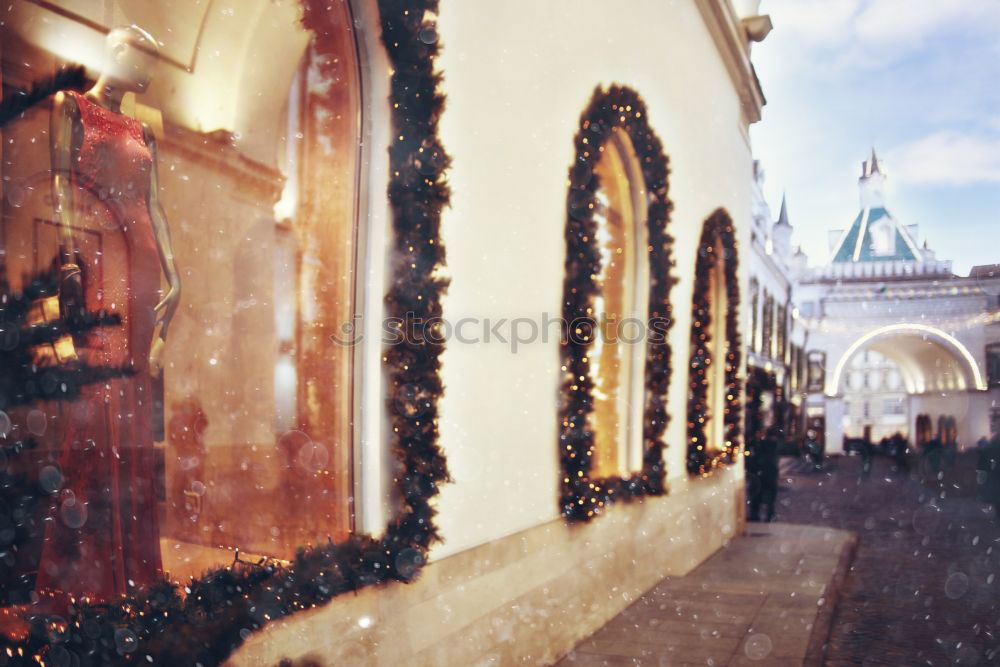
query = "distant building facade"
x=776 y=340
x=893 y=336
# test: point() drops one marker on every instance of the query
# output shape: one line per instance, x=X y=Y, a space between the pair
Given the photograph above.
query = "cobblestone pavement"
x=923 y=586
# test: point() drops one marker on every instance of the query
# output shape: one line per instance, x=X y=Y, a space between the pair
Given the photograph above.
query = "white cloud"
x=818 y=22
x=908 y=22
x=948 y=157
x=853 y=33
x=911 y=76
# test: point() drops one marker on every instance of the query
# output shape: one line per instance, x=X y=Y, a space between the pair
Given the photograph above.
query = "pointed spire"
x=871 y=185
x=874 y=164
x=783 y=215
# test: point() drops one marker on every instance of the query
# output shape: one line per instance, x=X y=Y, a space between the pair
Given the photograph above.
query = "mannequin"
x=102 y=539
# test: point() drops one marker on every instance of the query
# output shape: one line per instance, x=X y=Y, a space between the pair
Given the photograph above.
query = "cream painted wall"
x=517 y=78
x=524 y=599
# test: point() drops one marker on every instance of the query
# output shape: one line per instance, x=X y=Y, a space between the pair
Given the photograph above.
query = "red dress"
x=102 y=538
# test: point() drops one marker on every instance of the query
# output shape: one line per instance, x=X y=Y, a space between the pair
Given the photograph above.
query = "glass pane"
x=716 y=376
x=231 y=171
x=617 y=359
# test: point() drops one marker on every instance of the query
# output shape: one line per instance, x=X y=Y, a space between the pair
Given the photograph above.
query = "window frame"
x=992 y=358
x=718 y=231
x=583 y=495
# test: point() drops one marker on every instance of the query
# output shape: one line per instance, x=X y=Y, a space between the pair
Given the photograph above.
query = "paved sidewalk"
x=767 y=599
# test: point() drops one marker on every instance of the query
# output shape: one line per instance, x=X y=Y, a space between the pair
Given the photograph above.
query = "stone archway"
x=929 y=358
x=936 y=375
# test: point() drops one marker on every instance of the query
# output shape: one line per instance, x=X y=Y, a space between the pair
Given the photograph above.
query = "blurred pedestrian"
x=988 y=474
x=867 y=456
x=814 y=449
x=764 y=485
x=898 y=448
x=932 y=454
x=950 y=451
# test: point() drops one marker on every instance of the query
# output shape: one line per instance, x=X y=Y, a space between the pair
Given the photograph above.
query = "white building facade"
x=776 y=338
x=894 y=335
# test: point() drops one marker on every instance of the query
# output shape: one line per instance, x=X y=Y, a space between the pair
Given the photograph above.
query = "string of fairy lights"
x=583 y=497
x=717 y=238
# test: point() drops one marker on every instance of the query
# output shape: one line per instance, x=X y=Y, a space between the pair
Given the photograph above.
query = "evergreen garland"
x=582 y=497
x=717 y=233
x=25 y=379
x=418 y=192
x=23 y=502
x=220 y=610
x=18 y=101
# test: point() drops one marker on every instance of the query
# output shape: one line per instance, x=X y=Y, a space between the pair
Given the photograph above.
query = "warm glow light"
x=834 y=383
x=68 y=40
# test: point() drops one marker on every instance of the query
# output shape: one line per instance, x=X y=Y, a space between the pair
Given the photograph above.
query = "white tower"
x=781 y=233
x=871 y=185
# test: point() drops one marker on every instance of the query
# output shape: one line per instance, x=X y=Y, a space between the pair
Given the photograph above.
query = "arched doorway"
x=929 y=359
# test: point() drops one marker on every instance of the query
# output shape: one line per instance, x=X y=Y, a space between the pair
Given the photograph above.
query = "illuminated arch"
x=941 y=338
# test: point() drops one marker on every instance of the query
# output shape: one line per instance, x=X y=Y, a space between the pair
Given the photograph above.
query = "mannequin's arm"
x=168 y=305
x=60 y=144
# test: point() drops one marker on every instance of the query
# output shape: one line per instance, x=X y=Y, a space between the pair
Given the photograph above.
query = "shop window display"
x=208 y=199
x=103 y=540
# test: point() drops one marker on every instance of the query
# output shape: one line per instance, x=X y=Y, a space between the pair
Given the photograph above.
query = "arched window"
x=714 y=385
x=616 y=303
x=924 y=430
x=274 y=391
x=767 y=332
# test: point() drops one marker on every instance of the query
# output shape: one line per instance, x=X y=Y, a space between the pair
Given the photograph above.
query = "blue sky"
x=919 y=80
